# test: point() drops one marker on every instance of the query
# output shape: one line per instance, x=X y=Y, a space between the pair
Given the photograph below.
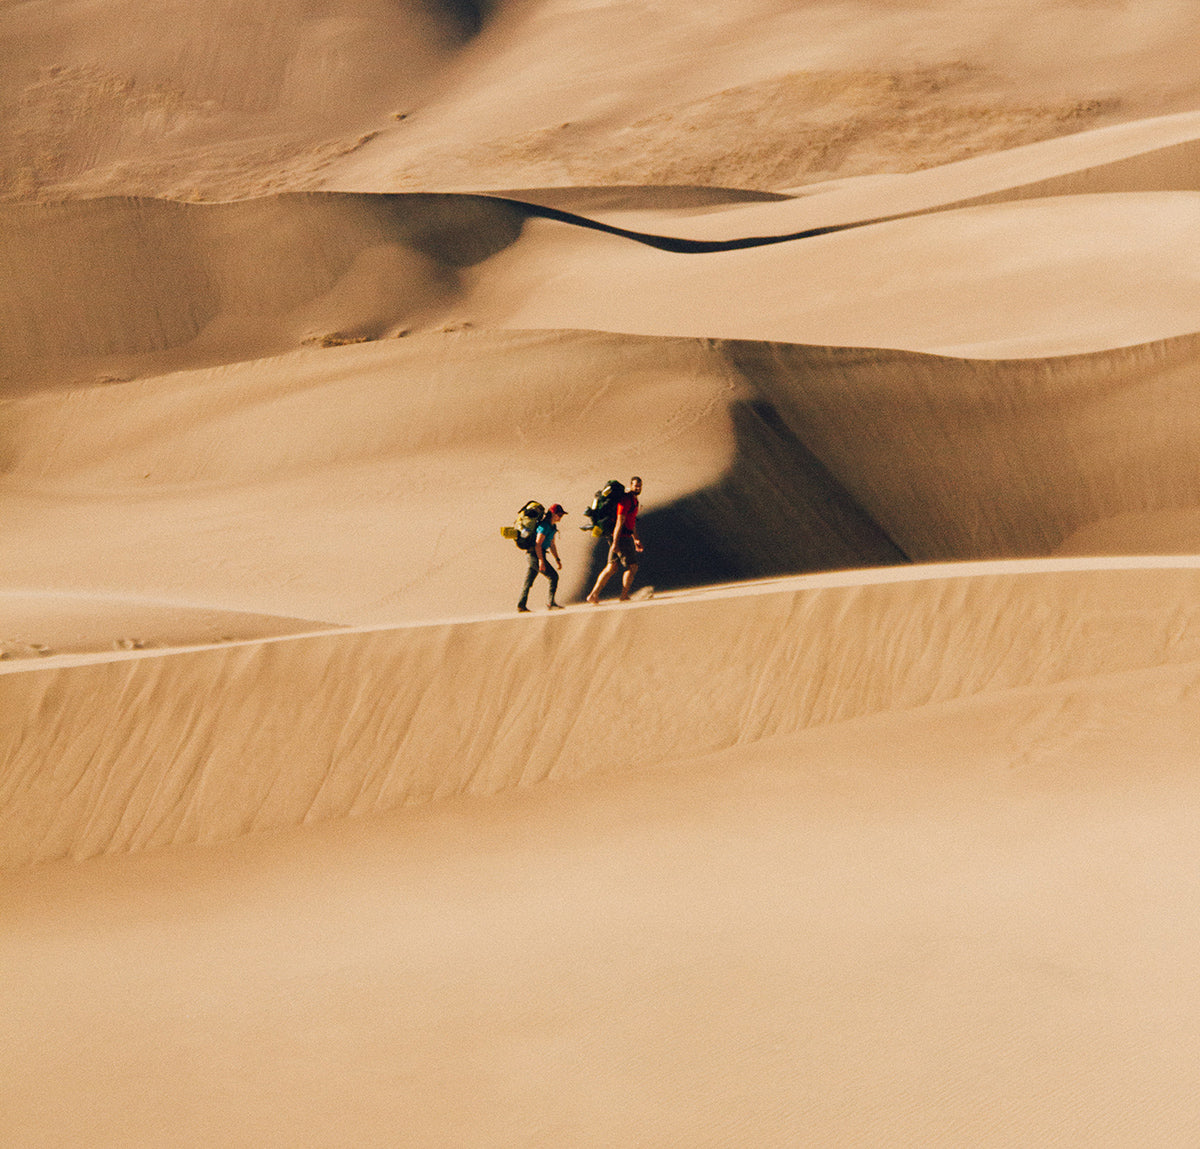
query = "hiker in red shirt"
x=625 y=547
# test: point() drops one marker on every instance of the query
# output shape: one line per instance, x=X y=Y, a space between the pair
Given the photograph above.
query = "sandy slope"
x=350 y=724
x=295 y=486
x=307 y=839
x=1061 y=287
x=112 y=289
x=106 y=290
x=967 y=916
x=554 y=95
x=207 y=100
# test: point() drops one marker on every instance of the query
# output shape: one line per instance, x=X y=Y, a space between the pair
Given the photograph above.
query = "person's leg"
x=601 y=579
x=605 y=574
x=627 y=581
x=530 y=575
x=552 y=575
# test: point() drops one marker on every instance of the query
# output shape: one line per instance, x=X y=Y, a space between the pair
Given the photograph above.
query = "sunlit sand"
x=873 y=822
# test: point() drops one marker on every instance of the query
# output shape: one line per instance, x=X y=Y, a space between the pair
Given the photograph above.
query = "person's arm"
x=618 y=527
x=633 y=531
x=539 y=544
x=554 y=551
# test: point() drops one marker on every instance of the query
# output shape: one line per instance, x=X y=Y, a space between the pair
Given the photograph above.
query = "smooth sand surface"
x=873 y=823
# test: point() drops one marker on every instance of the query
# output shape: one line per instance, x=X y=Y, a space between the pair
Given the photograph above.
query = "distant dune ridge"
x=220 y=283
x=873 y=822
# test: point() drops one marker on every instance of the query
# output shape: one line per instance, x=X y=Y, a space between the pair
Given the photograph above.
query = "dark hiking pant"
x=533 y=572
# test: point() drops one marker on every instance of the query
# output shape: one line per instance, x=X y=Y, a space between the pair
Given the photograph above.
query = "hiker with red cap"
x=544 y=547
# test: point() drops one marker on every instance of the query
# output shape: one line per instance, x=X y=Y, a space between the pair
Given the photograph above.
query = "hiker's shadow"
x=777 y=511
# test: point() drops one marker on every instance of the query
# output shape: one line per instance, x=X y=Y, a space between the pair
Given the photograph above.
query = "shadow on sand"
x=777 y=511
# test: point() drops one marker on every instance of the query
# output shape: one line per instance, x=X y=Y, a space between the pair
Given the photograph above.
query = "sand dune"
x=221 y=102
x=217 y=100
x=991 y=458
x=1078 y=219
x=1151 y=154
x=832 y=90
x=873 y=825
x=918 y=284
x=152 y=751
x=294 y=486
x=983 y=902
x=113 y=289
x=46 y=625
x=102 y=290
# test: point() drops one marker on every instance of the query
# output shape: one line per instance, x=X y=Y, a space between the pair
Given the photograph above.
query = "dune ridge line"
x=152 y=752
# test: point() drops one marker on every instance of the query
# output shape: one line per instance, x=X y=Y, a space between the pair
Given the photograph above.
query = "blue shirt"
x=546 y=532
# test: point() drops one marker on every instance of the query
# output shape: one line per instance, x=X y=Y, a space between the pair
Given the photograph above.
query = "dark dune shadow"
x=682 y=197
x=777 y=511
x=472 y=14
x=686 y=246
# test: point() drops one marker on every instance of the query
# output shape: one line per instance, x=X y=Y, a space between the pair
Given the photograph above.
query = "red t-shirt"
x=629 y=504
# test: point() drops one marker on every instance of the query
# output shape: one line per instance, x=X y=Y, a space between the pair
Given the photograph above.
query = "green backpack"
x=523 y=529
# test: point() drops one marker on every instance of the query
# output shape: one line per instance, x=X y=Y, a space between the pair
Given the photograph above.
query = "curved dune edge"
x=56 y=624
x=207 y=745
x=1056 y=281
x=1155 y=154
x=162 y=286
x=168 y=285
x=848 y=457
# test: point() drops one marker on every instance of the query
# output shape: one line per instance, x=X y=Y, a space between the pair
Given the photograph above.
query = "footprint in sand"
x=24 y=650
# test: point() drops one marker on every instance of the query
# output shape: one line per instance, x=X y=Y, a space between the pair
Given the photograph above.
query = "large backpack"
x=526 y=524
x=603 y=510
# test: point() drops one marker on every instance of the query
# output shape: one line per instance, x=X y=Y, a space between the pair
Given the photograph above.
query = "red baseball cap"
x=556 y=509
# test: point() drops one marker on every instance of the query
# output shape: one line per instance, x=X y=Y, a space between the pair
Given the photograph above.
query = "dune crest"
x=148 y=755
x=145 y=286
